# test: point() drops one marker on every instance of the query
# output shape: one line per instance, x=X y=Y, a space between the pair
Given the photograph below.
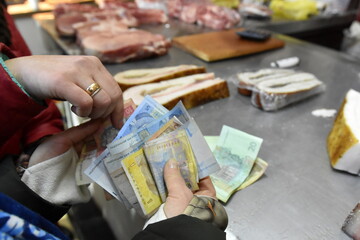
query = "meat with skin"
x=192 y=90
x=135 y=77
x=203 y=13
x=86 y=29
x=74 y=7
x=122 y=46
x=66 y=23
x=343 y=142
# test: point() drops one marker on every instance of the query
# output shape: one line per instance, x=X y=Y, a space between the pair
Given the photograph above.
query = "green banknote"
x=236 y=152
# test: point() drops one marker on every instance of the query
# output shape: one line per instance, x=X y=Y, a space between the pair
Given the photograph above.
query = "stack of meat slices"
x=272 y=89
x=168 y=85
x=204 y=13
x=104 y=32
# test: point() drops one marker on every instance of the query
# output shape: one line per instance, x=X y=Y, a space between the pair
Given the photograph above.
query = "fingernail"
x=173 y=163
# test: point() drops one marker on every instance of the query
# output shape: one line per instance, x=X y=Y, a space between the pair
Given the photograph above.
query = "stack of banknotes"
x=130 y=165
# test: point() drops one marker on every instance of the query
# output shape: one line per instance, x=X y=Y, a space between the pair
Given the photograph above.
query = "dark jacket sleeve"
x=181 y=227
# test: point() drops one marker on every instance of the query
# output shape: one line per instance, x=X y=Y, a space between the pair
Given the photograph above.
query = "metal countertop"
x=300 y=196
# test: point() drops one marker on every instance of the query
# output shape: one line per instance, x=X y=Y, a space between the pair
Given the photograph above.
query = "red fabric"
x=22 y=120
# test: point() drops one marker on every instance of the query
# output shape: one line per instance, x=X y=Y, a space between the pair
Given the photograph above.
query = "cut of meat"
x=122 y=46
x=192 y=90
x=64 y=23
x=203 y=13
x=86 y=29
x=135 y=77
x=149 y=16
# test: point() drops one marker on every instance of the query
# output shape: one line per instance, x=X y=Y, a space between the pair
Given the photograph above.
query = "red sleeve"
x=22 y=119
x=16 y=107
x=18 y=46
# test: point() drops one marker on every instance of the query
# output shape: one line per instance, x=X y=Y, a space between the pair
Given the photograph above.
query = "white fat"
x=325 y=113
x=350 y=161
x=352 y=112
x=293 y=83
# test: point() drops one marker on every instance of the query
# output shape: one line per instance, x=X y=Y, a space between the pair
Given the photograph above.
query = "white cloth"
x=54 y=180
x=157 y=217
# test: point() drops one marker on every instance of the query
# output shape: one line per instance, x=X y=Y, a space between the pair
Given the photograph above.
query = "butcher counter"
x=300 y=196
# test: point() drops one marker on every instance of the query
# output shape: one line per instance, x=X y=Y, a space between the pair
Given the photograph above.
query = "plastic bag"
x=293 y=10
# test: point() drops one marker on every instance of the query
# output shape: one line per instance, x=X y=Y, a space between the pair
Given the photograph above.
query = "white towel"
x=54 y=180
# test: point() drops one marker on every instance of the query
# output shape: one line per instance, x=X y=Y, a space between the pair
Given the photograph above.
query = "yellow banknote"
x=139 y=175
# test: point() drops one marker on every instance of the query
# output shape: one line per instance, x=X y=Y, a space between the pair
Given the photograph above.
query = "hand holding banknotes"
x=60 y=143
x=81 y=80
x=179 y=195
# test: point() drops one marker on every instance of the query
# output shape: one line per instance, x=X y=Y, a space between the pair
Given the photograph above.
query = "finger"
x=111 y=87
x=173 y=179
x=82 y=102
x=206 y=187
x=83 y=131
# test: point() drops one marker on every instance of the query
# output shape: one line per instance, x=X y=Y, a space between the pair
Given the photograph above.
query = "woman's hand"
x=62 y=142
x=67 y=78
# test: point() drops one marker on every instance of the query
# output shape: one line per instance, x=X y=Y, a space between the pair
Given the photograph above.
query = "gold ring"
x=93 y=89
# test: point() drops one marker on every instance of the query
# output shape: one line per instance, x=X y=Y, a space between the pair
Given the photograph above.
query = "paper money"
x=236 y=152
x=170 y=126
x=179 y=111
x=138 y=136
x=120 y=180
x=87 y=156
x=205 y=160
x=145 y=113
x=174 y=145
x=139 y=175
x=95 y=146
x=256 y=172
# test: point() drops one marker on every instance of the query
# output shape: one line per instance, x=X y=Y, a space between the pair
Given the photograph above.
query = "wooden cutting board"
x=220 y=45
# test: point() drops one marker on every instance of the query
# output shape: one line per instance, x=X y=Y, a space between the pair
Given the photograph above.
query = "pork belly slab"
x=272 y=89
x=343 y=141
x=135 y=77
x=192 y=90
x=122 y=46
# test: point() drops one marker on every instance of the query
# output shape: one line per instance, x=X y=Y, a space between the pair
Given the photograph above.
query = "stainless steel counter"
x=300 y=196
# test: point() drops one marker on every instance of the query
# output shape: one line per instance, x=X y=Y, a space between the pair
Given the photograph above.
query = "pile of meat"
x=204 y=13
x=106 y=32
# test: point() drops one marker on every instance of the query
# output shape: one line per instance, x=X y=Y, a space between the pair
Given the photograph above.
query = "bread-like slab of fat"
x=135 y=77
x=247 y=80
x=343 y=141
x=192 y=90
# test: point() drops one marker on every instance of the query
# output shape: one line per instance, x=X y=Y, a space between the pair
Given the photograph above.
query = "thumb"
x=179 y=195
x=81 y=132
x=173 y=179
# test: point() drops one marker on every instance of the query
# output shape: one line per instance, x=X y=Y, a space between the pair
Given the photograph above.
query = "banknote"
x=205 y=160
x=96 y=145
x=142 y=134
x=120 y=180
x=146 y=112
x=236 y=152
x=179 y=111
x=170 y=126
x=141 y=180
x=257 y=171
x=87 y=156
x=99 y=174
x=174 y=145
